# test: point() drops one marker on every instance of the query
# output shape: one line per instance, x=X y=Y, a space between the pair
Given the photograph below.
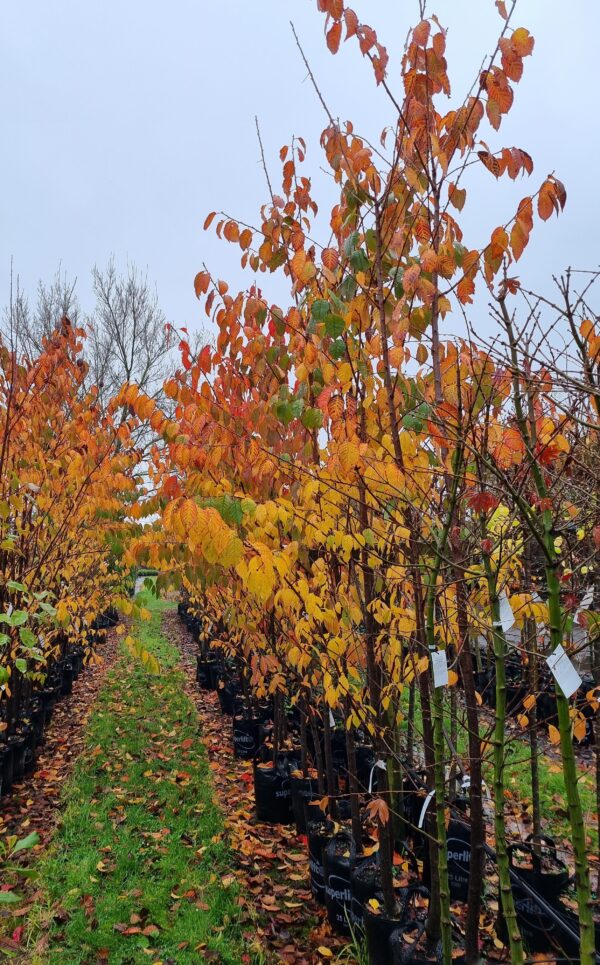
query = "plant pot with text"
x=272 y=795
x=339 y=856
x=246 y=737
x=303 y=791
x=319 y=833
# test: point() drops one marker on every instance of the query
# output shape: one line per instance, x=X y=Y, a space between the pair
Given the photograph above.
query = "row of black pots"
x=17 y=752
x=349 y=886
x=346 y=883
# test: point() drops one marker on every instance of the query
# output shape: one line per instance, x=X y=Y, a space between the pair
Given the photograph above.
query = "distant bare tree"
x=127 y=332
x=24 y=327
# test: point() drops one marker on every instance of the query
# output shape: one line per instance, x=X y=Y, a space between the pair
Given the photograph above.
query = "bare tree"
x=127 y=333
x=26 y=328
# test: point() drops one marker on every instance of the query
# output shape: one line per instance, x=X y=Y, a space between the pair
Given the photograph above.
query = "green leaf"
x=369 y=536
x=13 y=585
x=337 y=303
x=371 y=239
x=25 y=843
x=278 y=259
x=21 y=664
x=459 y=252
x=411 y=421
x=297 y=407
x=312 y=418
x=288 y=410
x=28 y=637
x=337 y=349
x=3 y=675
x=9 y=898
x=351 y=243
x=229 y=508
x=334 y=325
x=15 y=619
x=348 y=288
x=320 y=309
x=359 y=261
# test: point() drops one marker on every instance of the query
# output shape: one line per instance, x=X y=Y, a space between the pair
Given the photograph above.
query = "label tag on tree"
x=507 y=617
x=382 y=766
x=563 y=671
x=331 y=718
x=424 y=808
x=439 y=665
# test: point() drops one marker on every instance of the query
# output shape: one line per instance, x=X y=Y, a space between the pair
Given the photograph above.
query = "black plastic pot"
x=404 y=950
x=30 y=746
x=313 y=812
x=272 y=795
x=389 y=939
x=6 y=761
x=203 y=671
x=67 y=678
x=538 y=930
x=338 y=751
x=459 y=858
x=319 y=833
x=227 y=692
x=303 y=790
x=365 y=883
x=379 y=930
x=49 y=697
x=338 y=860
x=215 y=669
x=548 y=883
x=246 y=737
x=36 y=716
x=18 y=744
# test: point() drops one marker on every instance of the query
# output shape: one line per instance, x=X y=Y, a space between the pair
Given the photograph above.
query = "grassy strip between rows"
x=139 y=870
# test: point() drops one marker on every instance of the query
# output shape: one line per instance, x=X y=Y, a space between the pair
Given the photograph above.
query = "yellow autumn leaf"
x=553 y=734
x=348 y=456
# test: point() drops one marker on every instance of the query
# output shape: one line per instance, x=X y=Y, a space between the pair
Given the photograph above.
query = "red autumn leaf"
x=351 y=21
x=334 y=35
x=201 y=283
x=421 y=33
x=483 y=502
x=377 y=809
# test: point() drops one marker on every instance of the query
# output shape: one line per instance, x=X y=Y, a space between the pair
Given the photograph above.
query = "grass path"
x=139 y=870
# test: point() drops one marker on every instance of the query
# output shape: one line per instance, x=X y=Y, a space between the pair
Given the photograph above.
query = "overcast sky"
x=125 y=122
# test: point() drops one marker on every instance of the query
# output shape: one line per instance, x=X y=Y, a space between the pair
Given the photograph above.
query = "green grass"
x=141 y=841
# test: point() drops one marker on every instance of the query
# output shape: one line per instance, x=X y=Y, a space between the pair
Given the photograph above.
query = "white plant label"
x=424 y=808
x=439 y=665
x=563 y=671
x=382 y=766
x=507 y=617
